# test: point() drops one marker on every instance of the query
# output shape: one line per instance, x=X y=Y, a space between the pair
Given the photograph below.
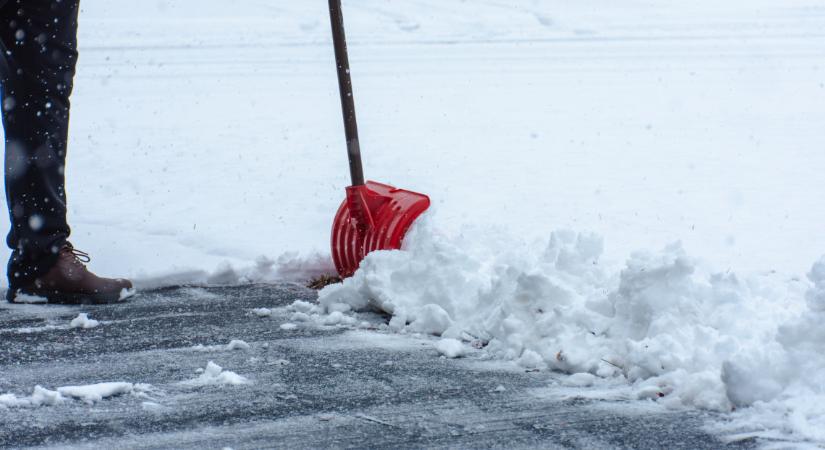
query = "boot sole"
x=64 y=298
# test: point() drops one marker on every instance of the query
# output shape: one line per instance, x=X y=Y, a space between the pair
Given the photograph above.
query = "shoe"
x=69 y=281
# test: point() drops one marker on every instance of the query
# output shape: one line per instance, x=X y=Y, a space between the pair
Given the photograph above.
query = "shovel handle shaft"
x=345 y=87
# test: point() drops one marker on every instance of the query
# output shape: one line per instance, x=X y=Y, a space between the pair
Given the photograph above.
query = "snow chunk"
x=214 y=375
x=237 y=344
x=262 y=312
x=83 y=321
x=29 y=299
x=451 y=348
x=40 y=397
x=288 y=326
x=430 y=319
x=92 y=393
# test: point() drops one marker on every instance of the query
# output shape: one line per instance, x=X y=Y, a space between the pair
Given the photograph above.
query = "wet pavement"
x=310 y=386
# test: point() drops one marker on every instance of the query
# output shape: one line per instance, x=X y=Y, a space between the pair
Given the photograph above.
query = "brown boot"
x=69 y=281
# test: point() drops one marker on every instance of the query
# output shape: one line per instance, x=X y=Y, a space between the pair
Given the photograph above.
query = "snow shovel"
x=373 y=216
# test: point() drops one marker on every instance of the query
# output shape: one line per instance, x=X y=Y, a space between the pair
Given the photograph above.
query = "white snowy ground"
x=208 y=132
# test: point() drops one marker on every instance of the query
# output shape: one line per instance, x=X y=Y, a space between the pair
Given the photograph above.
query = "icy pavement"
x=208 y=368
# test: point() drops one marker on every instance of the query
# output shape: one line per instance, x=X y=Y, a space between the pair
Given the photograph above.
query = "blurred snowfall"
x=208 y=132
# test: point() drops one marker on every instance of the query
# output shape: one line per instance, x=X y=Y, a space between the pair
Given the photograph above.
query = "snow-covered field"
x=207 y=145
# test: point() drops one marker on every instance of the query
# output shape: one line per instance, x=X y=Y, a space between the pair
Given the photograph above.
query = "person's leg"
x=40 y=40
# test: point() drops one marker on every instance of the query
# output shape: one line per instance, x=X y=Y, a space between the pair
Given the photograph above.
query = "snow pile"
x=93 y=393
x=672 y=331
x=215 y=375
x=90 y=394
x=40 y=397
x=83 y=321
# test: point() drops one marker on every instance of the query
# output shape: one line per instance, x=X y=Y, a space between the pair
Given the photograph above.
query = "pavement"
x=312 y=386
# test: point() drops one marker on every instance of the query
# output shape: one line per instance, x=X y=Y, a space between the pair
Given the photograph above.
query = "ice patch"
x=214 y=375
x=670 y=329
x=83 y=321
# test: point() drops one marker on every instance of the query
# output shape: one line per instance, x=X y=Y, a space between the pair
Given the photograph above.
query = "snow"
x=40 y=397
x=97 y=392
x=451 y=348
x=90 y=394
x=215 y=375
x=29 y=299
x=262 y=312
x=234 y=344
x=83 y=321
x=237 y=344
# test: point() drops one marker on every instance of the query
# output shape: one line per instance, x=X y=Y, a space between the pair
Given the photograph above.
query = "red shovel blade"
x=373 y=217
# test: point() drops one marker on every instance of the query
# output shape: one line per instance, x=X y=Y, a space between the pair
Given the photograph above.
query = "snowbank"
x=674 y=332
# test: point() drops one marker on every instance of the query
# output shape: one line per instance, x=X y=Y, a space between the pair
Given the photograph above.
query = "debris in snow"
x=215 y=375
x=262 y=312
x=288 y=326
x=83 y=321
x=451 y=348
x=237 y=344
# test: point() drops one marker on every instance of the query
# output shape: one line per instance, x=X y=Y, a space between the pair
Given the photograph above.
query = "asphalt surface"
x=311 y=386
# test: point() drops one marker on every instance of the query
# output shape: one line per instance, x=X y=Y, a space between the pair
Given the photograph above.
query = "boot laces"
x=78 y=257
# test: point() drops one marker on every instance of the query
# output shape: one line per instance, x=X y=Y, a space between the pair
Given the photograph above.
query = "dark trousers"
x=39 y=54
